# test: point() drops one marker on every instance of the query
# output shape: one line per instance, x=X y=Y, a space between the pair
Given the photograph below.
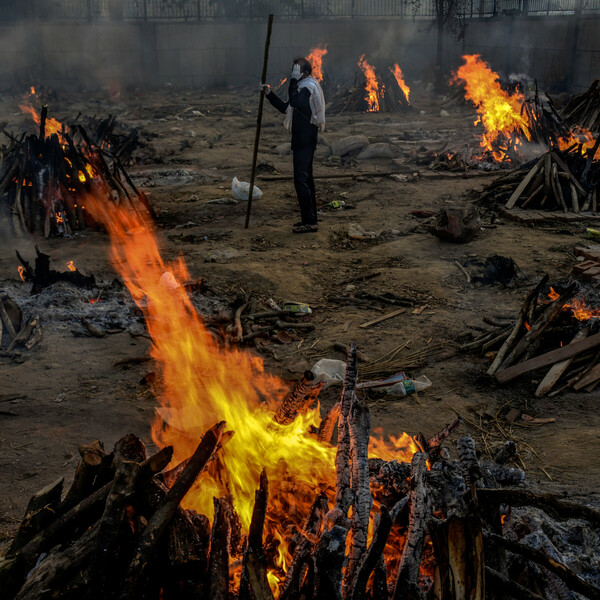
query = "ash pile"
x=440 y=527
x=71 y=302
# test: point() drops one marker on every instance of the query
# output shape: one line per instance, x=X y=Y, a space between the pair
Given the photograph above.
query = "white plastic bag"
x=329 y=371
x=239 y=190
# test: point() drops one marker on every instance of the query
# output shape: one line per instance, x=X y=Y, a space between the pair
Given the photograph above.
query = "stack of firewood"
x=546 y=337
x=119 y=532
x=583 y=110
x=45 y=180
x=564 y=181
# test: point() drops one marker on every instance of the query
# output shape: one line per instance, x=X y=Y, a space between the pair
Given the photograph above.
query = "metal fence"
x=200 y=10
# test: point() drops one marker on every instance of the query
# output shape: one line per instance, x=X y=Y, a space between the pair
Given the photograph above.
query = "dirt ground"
x=71 y=392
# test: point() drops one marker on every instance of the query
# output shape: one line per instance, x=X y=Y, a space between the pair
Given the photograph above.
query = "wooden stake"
x=259 y=121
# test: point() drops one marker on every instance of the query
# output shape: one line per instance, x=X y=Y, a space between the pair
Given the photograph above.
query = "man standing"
x=304 y=116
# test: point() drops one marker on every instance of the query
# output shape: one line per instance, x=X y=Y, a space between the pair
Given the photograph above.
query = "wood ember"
x=42 y=276
x=124 y=534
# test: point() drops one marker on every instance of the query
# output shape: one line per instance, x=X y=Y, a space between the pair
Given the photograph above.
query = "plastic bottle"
x=410 y=386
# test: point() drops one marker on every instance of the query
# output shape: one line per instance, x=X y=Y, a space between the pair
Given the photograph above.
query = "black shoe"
x=305 y=228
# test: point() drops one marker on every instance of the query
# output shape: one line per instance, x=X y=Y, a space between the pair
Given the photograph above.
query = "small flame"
x=581 y=311
x=315 y=58
x=71 y=266
x=281 y=83
x=21 y=272
x=51 y=126
x=580 y=136
x=372 y=87
x=397 y=72
x=32 y=91
x=399 y=448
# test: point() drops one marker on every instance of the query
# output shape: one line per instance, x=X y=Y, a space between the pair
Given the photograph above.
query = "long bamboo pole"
x=259 y=120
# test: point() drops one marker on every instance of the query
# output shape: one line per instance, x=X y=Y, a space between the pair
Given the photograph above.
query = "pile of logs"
x=546 y=125
x=109 y=134
x=583 y=110
x=44 y=180
x=120 y=532
x=564 y=181
x=545 y=338
x=450 y=161
x=353 y=98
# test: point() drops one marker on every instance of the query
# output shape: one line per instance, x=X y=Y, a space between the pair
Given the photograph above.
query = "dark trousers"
x=305 y=184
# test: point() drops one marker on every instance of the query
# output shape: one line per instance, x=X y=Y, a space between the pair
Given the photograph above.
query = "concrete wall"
x=194 y=55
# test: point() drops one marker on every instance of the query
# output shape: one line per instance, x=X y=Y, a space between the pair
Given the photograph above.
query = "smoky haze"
x=113 y=53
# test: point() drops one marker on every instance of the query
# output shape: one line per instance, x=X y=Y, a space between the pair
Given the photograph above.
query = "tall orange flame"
x=499 y=112
x=397 y=72
x=202 y=382
x=315 y=58
x=71 y=266
x=21 y=272
x=372 y=86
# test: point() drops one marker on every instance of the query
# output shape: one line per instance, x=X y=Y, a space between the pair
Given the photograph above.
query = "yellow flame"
x=397 y=72
x=315 y=58
x=499 y=112
x=202 y=383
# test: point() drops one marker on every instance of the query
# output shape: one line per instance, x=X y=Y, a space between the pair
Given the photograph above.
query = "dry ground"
x=72 y=393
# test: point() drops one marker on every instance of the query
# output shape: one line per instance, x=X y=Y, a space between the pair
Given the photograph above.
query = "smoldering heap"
x=45 y=179
x=443 y=527
x=555 y=332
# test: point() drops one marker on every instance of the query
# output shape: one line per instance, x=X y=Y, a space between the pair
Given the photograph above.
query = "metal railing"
x=200 y=10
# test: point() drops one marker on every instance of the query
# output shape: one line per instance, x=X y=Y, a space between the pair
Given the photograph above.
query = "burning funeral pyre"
x=556 y=332
x=386 y=92
x=293 y=516
x=47 y=179
x=516 y=128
